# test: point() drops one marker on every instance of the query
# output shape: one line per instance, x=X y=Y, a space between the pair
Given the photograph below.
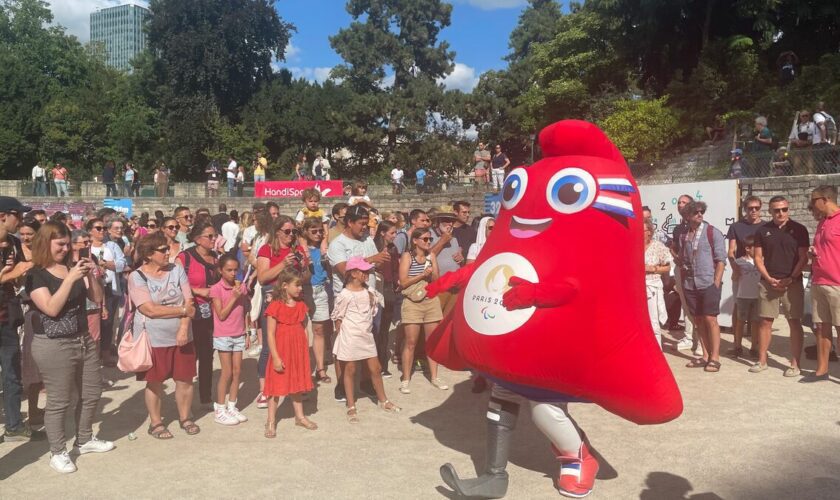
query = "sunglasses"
x=490 y=228
x=98 y=228
x=426 y=239
x=316 y=231
x=164 y=249
x=782 y=210
x=700 y=212
x=209 y=236
x=814 y=201
x=287 y=232
x=753 y=209
x=171 y=228
x=151 y=226
x=188 y=217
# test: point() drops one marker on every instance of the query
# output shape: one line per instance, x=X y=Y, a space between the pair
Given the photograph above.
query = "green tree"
x=402 y=36
x=641 y=129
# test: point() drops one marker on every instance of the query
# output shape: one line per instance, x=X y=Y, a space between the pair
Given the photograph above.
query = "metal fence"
x=742 y=162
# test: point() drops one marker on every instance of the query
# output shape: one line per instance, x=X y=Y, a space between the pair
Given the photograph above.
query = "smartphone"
x=84 y=253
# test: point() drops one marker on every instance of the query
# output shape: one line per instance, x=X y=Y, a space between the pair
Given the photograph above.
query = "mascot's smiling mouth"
x=528 y=228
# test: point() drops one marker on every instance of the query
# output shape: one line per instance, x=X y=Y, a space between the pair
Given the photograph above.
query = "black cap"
x=356 y=212
x=12 y=205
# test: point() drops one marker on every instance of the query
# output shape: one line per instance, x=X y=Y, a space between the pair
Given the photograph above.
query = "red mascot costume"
x=554 y=308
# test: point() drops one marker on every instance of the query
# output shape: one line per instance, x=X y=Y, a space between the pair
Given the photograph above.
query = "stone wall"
x=796 y=189
x=290 y=206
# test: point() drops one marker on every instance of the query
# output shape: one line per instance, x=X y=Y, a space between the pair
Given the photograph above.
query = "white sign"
x=722 y=200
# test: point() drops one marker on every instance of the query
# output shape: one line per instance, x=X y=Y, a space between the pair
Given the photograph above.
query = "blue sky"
x=478 y=34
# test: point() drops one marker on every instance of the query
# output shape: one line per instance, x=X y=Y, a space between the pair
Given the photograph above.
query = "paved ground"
x=742 y=436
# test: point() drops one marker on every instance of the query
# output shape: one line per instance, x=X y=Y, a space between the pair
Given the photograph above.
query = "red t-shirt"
x=276 y=258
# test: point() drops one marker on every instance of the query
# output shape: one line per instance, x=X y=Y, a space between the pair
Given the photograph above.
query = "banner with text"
x=75 y=209
x=294 y=189
x=124 y=206
x=492 y=203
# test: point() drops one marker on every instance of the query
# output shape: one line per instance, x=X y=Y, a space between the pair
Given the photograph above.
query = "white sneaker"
x=439 y=384
x=684 y=344
x=231 y=408
x=60 y=462
x=404 y=387
x=223 y=416
x=94 y=446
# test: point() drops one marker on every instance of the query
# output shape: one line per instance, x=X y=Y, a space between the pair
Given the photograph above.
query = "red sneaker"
x=262 y=401
x=577 y=473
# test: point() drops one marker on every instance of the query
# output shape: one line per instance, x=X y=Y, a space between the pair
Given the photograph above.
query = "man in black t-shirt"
x=781 y=252
x=220 y=218
x=11 y=317
x=462 y=230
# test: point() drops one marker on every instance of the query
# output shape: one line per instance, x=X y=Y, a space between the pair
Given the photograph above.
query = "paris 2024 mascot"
x=553 y=310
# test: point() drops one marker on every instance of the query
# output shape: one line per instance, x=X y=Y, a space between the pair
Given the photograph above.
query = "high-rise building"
x=117 y=32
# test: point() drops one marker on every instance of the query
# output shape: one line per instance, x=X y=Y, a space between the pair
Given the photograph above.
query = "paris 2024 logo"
x=483 y=307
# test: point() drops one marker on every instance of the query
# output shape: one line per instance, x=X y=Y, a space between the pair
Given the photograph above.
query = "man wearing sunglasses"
x=825 y=275
x=702 y=258
x=781 y=253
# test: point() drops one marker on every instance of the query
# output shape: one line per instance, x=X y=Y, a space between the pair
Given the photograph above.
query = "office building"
x=117 y=33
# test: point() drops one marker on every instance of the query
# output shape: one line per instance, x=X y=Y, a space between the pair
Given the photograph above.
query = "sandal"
x=306 y=424
x=696 y=363
x=388 y=406
x=159 y=431
x=322 y=378
x=190 y=427
x=270 y=431
x=712 y=367
x=352 y=416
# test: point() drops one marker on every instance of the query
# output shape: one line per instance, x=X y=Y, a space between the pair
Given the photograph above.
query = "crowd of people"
x=350 y=282
x=78 y=295
x=769 y=260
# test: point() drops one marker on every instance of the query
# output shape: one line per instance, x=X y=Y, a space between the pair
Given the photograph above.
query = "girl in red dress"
x=288 y=371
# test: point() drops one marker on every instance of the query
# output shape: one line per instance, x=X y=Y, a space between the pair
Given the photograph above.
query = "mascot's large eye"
x=571 y=190
x=514 y=188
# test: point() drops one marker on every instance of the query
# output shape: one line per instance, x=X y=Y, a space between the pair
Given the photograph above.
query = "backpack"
x=830 y=127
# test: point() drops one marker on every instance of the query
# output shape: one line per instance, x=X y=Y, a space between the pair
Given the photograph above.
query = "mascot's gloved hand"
x=524 y=294
x=455 y=279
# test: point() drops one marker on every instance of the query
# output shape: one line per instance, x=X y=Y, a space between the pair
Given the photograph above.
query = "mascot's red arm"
x=440 y=344
x=523 y=294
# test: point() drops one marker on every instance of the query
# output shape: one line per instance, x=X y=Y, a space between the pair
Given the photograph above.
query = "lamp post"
x=533 y=136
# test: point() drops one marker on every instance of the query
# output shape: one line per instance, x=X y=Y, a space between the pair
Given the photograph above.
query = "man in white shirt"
x=804 y=135
x=822 y=119
x=230 y=230
x=320 y=167
x=231 y=175
x=39 y=180
x=396 y=180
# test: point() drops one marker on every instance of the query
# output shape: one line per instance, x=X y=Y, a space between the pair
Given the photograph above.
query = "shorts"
x=480 y=173
x=825 y=304
x=704 y=302
x=177 y=363
x=419 y=313
x=229 y=344
x=318 y=302
x=747 y=309
x=792 y=299
x=212 y=184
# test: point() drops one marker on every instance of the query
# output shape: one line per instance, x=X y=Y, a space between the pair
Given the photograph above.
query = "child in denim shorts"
x=230 y=322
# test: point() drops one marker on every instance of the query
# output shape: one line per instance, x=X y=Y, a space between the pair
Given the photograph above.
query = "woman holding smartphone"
x=62 y=347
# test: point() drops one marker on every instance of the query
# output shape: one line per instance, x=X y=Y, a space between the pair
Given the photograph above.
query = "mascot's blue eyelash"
x=615 y=203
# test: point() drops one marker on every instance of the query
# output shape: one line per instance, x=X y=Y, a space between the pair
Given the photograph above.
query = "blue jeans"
x=60 y=188
x=231 y=187
x=10 y=365
x=40 y=188
x=127 y=188
x=259 y=178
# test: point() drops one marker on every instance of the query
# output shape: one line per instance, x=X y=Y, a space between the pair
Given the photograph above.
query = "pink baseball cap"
x=359 y=263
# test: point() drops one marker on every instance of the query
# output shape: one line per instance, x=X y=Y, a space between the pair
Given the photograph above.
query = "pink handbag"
x=134 y=351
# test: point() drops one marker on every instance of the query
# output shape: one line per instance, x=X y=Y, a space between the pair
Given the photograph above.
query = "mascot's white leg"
x=502 y=411
x=578 y=467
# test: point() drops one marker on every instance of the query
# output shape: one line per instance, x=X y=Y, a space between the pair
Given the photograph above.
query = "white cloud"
x=317 y=74
x=462 y=78
x=293 y=52
x=75 y=14
x=495 y=4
